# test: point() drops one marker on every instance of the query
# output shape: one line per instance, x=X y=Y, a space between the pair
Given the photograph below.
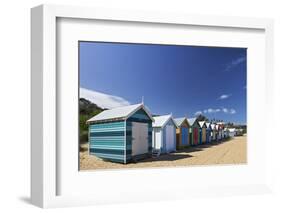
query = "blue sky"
x=183 y=80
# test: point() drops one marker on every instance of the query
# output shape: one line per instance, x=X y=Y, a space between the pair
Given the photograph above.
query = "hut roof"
x=201 y=123
x=191 y=121
x=179 y=121
x=119 y=113
x=208 y=124
x=213 y=126
x=161 y=121
x=219 y=126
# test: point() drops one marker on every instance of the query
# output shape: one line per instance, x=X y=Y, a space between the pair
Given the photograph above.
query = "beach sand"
x=233 y=151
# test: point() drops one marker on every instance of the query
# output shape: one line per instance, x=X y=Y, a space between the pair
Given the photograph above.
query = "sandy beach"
x=232 y=151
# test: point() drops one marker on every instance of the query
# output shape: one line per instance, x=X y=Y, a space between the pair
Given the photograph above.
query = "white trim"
x=125 y=141
x=185 y=119
x=204 y=124
x=168 y=119
x=138 y=108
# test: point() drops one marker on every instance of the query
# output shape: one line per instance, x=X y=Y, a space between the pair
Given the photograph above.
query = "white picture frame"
x=44 y=84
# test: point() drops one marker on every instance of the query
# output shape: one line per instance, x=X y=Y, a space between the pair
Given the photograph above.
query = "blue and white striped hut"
x=164 y=133
x=121 y=134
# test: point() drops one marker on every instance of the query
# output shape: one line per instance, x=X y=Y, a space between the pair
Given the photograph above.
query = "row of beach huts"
x=130 y=133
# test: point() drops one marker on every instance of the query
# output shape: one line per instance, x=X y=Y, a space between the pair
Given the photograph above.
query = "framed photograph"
x=149 y=106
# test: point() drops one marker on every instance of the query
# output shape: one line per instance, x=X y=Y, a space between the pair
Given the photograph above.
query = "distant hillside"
x=87 y=109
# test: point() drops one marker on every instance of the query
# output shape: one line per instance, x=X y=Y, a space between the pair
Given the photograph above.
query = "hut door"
x=184 y=135
x=140 y=138
x=195 y=136
x=170 y=138
x=157 y=138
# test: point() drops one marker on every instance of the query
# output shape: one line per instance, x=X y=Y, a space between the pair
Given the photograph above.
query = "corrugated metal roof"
x=191 y=121
x=161 y=121
x=179 y=121
x=121 y=113
x=201 y=123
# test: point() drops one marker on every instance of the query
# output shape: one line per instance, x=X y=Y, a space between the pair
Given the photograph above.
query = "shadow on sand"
x=167 y=157
x=183 y=153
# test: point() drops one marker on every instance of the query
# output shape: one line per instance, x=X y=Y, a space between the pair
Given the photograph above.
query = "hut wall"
x=182 y=134
x=219 y=135
x=190 y=136
x=203 y=135
x=157 y=138
x=207 y=135
x=231 y=134
x=170 y=123
x=214 y=136
x=107 y=140
x=139 y=116
x=178 y=137
x=200 y=136
x=195 y=136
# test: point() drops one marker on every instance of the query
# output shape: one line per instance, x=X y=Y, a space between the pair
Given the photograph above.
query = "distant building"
x=231 y=132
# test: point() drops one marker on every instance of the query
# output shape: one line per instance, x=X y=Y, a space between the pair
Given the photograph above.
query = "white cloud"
x=211 y=110
x=198 y=113
x=224 y=96
x=232 y=111
x=235 y=62
x=103 y=100
x=225 y=110
x=228 y=111
x=216 y=110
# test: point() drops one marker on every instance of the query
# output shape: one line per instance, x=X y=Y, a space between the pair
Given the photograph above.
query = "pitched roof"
x=213 y=126
x=201 y=123
x=191 y=121
x=161 y=121
x=179 y=121
x=119 y=113
x=208 y=124
x=219 y=126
